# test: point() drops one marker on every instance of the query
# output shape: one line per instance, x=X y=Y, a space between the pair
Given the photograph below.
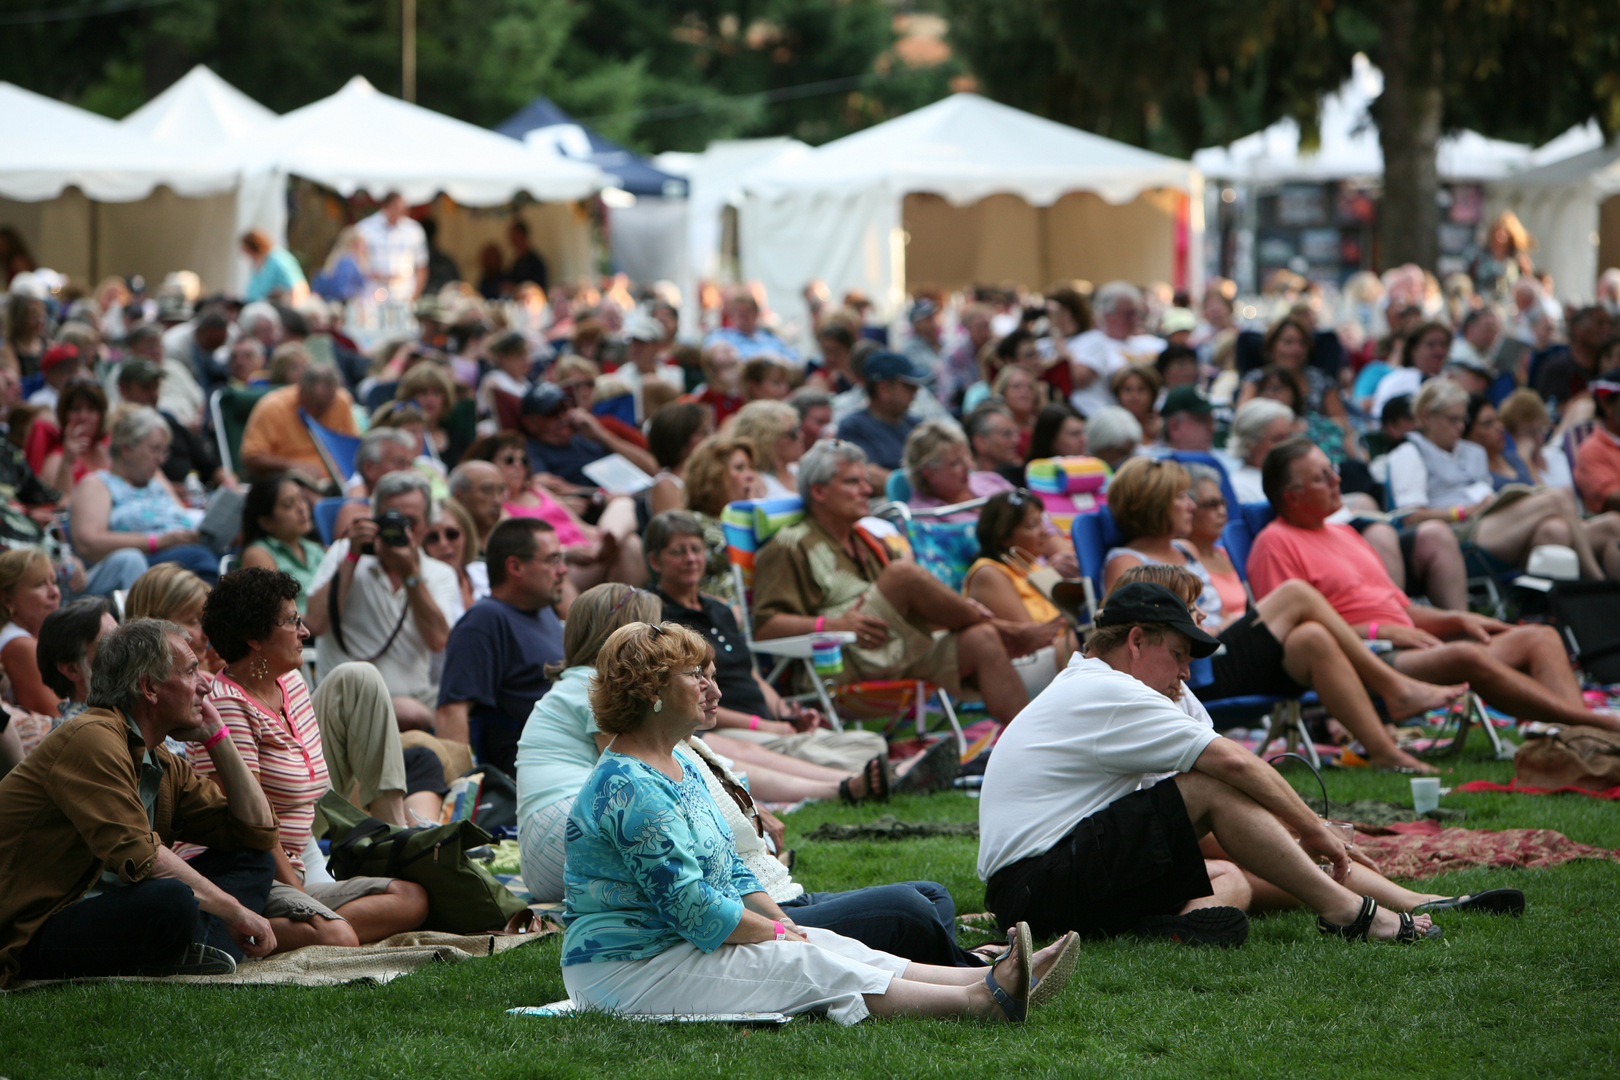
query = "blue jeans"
x=149 y=922
x=913 y=919
x=120 y=569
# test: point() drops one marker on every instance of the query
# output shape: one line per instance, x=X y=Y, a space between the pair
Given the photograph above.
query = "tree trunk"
x=1409 y=113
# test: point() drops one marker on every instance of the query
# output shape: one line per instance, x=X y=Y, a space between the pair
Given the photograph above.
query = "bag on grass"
x=1587 y=757
x=1584 y=612
x=463 y=896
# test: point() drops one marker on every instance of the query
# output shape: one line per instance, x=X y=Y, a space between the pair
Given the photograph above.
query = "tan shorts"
x=910 y=653
x=321 y=899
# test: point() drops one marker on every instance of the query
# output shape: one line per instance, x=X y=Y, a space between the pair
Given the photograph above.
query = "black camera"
x=393 y=529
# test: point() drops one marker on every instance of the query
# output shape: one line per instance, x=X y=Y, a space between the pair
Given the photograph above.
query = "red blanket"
x=1422 y=849
x=1513 y=787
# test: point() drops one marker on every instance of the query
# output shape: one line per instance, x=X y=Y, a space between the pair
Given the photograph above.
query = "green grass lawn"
x=1496 y=997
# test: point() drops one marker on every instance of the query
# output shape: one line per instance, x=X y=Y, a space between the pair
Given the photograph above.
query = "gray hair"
x=927 y=441
x=461 y=477
x=806 y=398
x=977 y=422
x=134 y=427
x=139 y=650
x=1111 y=428
x=1197 y=473
x=1250 y=423
x=664 y=528
x=1111 y=295
x=258 y=312
x=320 y=374
x=402 y=482
x=823 y=461
x=372 y=443
x=1437 y=395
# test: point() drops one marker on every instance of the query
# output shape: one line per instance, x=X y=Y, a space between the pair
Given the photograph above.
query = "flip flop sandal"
x=1491 y=902
x=876 y=772
x=934 y=771
x=1057 y=973
x=1014 y=1004
x=1361 y=928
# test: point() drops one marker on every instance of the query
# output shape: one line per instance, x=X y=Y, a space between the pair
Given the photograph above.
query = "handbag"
x=1580 y=756
x=463 y=896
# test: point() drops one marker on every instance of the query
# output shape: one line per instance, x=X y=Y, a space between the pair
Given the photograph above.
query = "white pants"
x=846 y=751
x=541 y=851
x=829 y=974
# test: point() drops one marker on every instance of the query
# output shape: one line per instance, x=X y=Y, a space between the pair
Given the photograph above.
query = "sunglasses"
x=510 y=459
x=450 y=534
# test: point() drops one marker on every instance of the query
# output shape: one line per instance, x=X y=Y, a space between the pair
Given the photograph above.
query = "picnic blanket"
x=1422 y=849
x=888 y=827
x=329 y=965
x=1513 y=787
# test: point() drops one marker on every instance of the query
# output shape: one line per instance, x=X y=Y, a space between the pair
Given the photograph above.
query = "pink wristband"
x=217 y=737
x=821 y=623
x=753 y=723
x=781 y=931
x=1372 y=631
x=151 y=543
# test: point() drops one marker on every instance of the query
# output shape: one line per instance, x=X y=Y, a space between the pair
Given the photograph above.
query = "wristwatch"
x=413 y=581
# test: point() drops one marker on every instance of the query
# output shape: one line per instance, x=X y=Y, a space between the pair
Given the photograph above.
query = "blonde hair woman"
x=171 y=592
x=773 y=428
x=28 y=593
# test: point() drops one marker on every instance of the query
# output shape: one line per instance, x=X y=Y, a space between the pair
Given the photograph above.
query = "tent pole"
x=407 y=42
x=95 y=242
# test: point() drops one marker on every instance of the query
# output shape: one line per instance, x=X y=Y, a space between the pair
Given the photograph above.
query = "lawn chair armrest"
x=797 y=647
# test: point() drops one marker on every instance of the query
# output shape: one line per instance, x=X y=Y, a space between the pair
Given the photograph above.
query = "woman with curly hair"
x=298 y=746
x=664 y=917
x=721 y=470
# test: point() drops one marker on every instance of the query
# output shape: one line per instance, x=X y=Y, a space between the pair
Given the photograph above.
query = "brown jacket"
x=73 y=807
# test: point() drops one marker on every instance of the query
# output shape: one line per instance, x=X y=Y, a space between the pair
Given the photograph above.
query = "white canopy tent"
x=1572 y=210
x=967 y=190
x=71 y=181
x=1348 y=145
x=360 y=139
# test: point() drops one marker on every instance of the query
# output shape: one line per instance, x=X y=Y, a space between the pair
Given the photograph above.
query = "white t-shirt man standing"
x=396 y=250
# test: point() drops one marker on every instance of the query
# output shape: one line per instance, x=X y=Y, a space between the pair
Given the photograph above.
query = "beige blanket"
x=328 y=965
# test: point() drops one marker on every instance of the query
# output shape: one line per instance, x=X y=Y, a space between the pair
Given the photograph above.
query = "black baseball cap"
x=1186 y=399
x=885 y=365
x=1146 y=602
x=544 y=399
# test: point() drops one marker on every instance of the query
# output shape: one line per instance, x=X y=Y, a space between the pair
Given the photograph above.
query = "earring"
x=260 y=668
x=658 y=704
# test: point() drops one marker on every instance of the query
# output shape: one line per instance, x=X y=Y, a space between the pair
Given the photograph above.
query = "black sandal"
x=1361 y=928
x=876 y=772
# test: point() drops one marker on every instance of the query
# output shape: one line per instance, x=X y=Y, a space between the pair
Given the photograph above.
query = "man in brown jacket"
x=88 y=885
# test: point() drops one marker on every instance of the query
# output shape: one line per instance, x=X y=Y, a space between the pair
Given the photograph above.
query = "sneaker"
x=1226 y=927
x=196 y=959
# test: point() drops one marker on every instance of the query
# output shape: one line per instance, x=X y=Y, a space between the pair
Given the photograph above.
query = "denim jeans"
x=913 y=919
x=149 y=922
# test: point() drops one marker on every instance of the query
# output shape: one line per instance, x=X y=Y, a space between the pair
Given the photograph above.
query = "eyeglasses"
x=450 y=534
x=1218 y=502
x=293 y=622
x=509 y=459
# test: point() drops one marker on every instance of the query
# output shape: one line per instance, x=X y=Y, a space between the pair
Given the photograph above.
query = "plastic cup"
x=1344 y=830
x=826 y=656
x=1425 y=793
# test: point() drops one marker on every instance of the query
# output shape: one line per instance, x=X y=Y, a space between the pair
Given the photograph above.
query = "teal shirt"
x=650 y=863
x=287 y=559
x=557 y=749
x=279 y=271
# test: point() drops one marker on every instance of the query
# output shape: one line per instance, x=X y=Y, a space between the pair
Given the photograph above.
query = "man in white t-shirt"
x=395 y=606
x=396 y=250
x=1070 y=840
x=1098 y=353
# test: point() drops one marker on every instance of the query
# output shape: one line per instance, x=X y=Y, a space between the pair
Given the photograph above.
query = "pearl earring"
x=658 y=704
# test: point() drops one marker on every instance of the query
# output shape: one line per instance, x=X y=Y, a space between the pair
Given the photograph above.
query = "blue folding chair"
x=337 y=450
x=1094 y=534
x=1199 y=457
x=326 y=515
x=898 y=487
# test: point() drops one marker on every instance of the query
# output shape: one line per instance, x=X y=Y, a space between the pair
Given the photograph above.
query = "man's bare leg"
x=1258 y=842
x=1502 y=685
x=915 y=593
x=1536 y=519
x=1361 y=879
x=1387 y=543
x=1231 y=886
x=1312 y=658
x=1295 y=601
x=1438 y=560
x=982 y=660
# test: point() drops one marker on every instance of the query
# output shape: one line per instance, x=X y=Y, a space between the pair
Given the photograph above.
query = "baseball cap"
x=1147 y=602
x=642 y=327
x=59 y=353
x=1177 y=319
x=140 y=371
x=1186 y=399
x=544 y=399
x=884 y=365
x=922 y=309
x=1468 y=362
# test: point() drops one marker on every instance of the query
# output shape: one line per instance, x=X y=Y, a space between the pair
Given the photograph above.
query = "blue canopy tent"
x=542 y=121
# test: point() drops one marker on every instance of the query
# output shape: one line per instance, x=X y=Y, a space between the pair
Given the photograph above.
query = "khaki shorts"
x=322 y=899
x=910 y=653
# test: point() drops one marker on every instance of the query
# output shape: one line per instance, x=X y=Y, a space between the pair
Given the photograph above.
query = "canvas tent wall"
x=963 y=188
x=1572 y=209
x=88 y=195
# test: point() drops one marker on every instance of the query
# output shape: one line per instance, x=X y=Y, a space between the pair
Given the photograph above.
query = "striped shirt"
x=284 y=750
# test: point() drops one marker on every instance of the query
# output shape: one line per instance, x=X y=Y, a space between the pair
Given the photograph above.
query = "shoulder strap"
x=334 y=617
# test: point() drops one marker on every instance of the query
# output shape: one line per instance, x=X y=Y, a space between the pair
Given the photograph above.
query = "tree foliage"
x=658 y=74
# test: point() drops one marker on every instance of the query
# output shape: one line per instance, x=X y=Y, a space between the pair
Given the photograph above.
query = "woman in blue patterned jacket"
x=662 y=916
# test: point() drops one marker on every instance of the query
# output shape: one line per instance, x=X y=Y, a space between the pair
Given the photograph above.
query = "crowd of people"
x=526 y=568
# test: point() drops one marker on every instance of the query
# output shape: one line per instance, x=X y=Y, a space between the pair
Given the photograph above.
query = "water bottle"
x=826 y=657
x=196 y=494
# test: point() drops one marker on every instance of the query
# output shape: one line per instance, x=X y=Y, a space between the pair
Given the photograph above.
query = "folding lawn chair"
x=748 y=527
x=230 y=410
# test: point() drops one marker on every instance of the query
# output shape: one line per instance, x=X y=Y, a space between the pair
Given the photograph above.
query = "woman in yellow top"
x=1013 y=539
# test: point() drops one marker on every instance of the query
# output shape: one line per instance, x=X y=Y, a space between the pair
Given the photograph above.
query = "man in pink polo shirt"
x=1521 y=670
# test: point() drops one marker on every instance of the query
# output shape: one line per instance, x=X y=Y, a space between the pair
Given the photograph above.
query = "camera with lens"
x=393 y=529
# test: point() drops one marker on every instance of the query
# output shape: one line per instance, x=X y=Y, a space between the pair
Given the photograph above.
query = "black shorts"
x=1251 y=664
x=1137 y=856
x=423 y=771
